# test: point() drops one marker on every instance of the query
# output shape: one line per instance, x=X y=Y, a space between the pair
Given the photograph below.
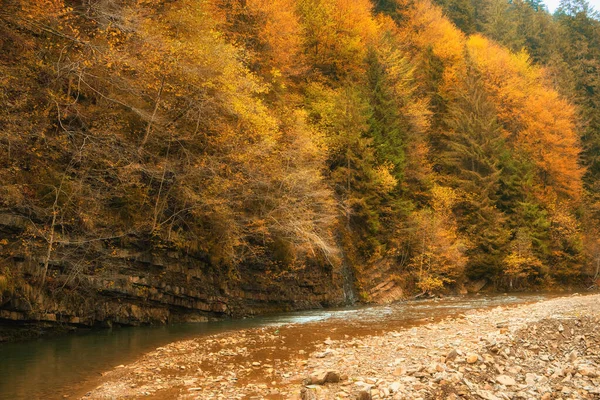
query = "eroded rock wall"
x=145 y=284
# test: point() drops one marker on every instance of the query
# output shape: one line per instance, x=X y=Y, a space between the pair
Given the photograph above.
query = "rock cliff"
x=139 y=283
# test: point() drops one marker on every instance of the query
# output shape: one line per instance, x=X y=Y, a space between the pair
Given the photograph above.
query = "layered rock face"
x=381 y=283
x=101 y=284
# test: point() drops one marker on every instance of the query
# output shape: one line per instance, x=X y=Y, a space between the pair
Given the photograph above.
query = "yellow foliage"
x=427 y=26
x=438 y=250
x=279 y=34
x=431 y=284
x=443 y=198
x=521 y=263
x=337 y=34
x=538 y=121
x=384 y=178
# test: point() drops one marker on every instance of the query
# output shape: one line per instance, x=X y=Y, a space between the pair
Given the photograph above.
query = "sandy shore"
x=545 y=350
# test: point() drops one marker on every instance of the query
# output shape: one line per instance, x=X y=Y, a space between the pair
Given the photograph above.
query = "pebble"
x=364 y=395
x=472 y=358
x=506 y=380
x=572 y=356
x=587 y=371
x=452 y=355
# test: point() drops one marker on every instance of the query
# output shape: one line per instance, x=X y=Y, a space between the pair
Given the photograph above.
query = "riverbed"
x=70 y=365
x=548 y=349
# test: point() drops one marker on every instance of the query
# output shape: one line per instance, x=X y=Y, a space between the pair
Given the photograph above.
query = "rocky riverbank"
x=547 y=350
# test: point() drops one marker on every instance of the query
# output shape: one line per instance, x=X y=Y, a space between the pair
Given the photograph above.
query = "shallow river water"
x=50 y=368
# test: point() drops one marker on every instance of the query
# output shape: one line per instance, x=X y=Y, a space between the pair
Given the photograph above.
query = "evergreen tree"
x=474 y=147
x=385 y=122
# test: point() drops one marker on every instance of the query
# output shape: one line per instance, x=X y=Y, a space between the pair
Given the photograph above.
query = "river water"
x=50 y=368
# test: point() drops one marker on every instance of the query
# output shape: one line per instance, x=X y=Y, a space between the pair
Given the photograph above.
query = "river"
x=50 y=368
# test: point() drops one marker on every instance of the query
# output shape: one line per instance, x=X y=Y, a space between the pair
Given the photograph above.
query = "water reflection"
x=48 y=368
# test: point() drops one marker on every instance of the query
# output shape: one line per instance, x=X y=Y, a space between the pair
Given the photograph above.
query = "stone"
x=472 y=358
x=476 y=286
x=592 y=390
x=451 y=355
x=585 y=370
x=321 y=377
x=332 y=377
x=323 y=354
x=485 y=394
x=435 y=367
x=363 y=395
x=515 y=369
x=308 y=394
x=506 y=380
x=395 y=387
x=572 y=357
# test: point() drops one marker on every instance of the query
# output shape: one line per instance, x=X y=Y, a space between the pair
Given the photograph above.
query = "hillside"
x=182 y=160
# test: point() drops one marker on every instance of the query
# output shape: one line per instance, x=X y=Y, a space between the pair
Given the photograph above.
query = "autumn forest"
x=443 y=142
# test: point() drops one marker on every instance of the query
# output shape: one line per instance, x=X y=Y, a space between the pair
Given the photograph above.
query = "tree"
x=534 y=116
x=438 y=256
x=521 y=263
x=337 y=34
x=472 y=160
